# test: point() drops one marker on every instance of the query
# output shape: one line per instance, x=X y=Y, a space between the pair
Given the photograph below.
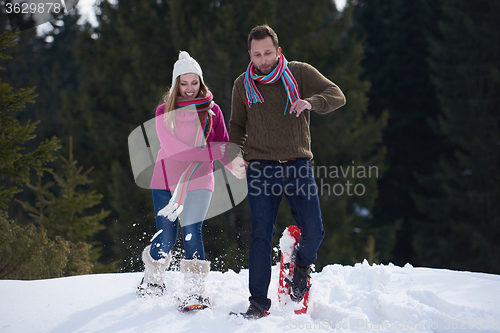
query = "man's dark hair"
x=260 y=32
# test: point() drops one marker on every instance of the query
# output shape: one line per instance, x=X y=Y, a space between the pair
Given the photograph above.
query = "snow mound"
x=378 y=298
x=287 y=244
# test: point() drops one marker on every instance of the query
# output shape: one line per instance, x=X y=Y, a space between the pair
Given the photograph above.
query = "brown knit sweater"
x=264 y=132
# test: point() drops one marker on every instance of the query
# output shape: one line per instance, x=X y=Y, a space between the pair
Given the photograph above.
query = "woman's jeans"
x=195 y=209
x=267 y=182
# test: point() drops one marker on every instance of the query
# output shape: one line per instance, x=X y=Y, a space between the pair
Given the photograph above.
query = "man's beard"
x=270 y=69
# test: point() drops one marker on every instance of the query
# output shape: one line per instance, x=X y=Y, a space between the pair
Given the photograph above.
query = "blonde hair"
x=170 y=97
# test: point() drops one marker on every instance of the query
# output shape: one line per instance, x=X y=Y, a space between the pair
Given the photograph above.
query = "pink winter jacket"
x=178 y=150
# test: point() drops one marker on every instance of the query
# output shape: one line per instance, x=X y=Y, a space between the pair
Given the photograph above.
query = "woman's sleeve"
x=221 y=135
x=219 y=126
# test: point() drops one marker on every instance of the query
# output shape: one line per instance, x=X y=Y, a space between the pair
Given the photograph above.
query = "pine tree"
x=64 y=212
x=44 y=61
x=25 y=251
x=396 y=47
x=15 y=165
x=460 y=227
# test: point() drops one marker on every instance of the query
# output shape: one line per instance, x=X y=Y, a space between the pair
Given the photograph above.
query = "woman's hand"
x=223 y=148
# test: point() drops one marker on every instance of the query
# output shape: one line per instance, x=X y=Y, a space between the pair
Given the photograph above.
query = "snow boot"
x=253 y=312
x=194 y=272
x=154 y=274
x=299 y=285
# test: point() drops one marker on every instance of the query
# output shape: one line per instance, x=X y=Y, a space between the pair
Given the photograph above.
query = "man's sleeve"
x=324 y=95
x=237 y=123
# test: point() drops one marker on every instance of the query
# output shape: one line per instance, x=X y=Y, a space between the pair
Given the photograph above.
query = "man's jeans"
x=267 y=182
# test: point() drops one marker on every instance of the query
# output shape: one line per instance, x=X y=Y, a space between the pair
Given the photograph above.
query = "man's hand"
x=299 y=106
x=239 y=167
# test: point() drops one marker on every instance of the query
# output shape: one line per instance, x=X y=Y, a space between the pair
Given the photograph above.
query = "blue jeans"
x=267 y=182
x=195 y=209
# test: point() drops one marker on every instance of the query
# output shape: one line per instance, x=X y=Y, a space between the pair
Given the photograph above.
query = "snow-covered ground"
x=356 y=298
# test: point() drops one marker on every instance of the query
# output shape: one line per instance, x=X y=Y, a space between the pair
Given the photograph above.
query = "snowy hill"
x=356 y=298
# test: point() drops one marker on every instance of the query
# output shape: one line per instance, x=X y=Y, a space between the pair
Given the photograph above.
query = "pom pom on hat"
x=184 y=55
x=185 y=64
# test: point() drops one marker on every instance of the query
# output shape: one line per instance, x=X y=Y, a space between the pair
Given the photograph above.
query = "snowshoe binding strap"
x=296 y=294
x=299 y=286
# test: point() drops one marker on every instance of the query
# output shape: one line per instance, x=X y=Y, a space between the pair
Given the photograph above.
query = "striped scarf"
x=201 y=104
x=182 y=186
x=280 y=72
x=176 y=204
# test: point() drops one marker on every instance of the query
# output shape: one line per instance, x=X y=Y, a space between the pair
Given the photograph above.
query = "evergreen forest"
x=408 y=171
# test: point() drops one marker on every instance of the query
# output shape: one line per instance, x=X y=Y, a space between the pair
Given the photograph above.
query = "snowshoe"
x=193 y=303
x=294 y=282
x=150 y=289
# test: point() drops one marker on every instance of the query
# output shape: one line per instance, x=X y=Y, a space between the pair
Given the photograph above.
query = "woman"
x=189 y=125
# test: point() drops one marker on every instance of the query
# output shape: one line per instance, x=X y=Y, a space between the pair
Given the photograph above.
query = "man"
x=270 y=116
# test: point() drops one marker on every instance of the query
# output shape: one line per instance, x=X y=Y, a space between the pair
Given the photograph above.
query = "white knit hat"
x=185 y=64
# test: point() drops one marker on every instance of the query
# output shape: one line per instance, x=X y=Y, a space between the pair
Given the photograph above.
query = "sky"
x=86 y=9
